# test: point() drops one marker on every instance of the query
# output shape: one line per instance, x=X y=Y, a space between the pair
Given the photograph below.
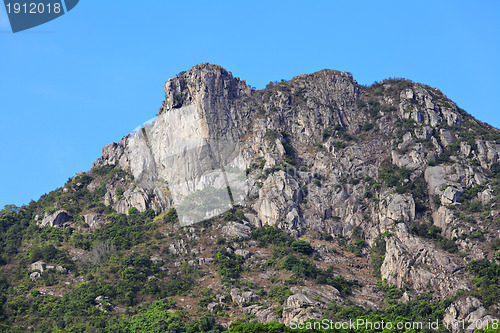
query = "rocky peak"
x=206 y=85
x=392 y=181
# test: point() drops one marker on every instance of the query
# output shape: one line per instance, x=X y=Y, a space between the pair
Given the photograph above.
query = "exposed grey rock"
x=396 y=207
x=35 y=276
x=56 y=219
x=249 y=296
x=296 y=309
x=486 y=196
x=447 y=137
x=424 y=132
x=245 y=297
x=244 y=253
x=103 y=304
x=325 y=293
x=94 y=220
x=299 y=301
x=261 y=315
x=202 y=261
x=237 y=230
x=450 y=195
x=408 y=258
x=38 y=265
x=178 y=247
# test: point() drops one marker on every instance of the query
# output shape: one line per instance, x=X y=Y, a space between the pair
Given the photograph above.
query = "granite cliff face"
x=323 y=154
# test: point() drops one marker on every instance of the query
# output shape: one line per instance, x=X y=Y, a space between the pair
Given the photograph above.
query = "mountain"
x=313 y=198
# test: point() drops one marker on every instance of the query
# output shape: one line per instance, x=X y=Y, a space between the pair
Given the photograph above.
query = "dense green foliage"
x=422 y=309
x=271 y=235
x=377 y=254
x=229 y=266
x=487 y=279
x=306 y=269
x=279 y=294
x=159 y=318
x=366 y=324
x=430 y=231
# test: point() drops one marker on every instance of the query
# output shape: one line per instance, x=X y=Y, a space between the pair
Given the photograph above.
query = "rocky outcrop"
x=236 y=230
x=296 y=309
x=409 y=259
x=38 y=266
x=305 y=156
x=56 y=219
x=395 y=207
x=466 y=313
x=278 y=201
x=189 y=154
x=241 y=298
x=94 y=220
x=262 y=315
x=35 y=276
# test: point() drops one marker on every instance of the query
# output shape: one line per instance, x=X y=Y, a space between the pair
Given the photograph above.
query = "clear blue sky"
x=70 y=86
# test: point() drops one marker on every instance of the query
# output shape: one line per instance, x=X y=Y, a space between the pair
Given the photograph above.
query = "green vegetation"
x=279 y=294
x=430 y=231
x=229 y=266
x=486 y=279
x=356 y=247
x=366 y=127
x=422 y=309
x=339 y=144
x=301 y=246
x=377 y=254
x=303 y=268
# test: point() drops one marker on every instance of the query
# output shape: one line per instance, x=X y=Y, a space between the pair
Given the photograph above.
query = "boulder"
x=245 y=297
x=94 y=220
x=39 y=266
x=296 y=308
x=35 y=276
x=298 y=301
x=261 y=315
x=447 y=137
x=237 y=230
x=244 y=253
x=450 y=195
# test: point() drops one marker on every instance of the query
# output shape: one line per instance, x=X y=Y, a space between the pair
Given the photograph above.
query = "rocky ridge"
x=321 y=154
